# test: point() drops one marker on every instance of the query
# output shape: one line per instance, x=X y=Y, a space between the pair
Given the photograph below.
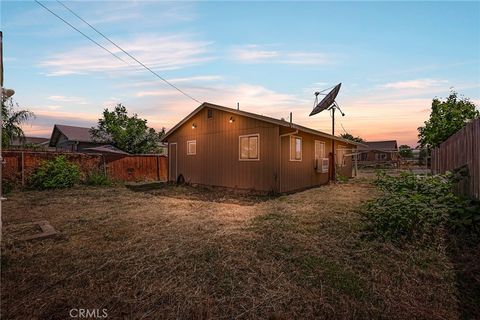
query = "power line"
x=128 y=54
x=73 y=27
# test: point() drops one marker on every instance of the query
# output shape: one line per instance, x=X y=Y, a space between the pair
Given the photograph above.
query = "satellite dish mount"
x=329 y=103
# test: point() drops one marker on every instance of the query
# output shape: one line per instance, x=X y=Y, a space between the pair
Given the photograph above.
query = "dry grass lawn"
x=171 y=254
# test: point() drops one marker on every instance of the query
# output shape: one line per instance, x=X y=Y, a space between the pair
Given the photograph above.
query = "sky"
x=392 y=58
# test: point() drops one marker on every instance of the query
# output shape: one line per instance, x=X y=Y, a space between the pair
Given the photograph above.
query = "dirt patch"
x=154 y=255
x=201 y=193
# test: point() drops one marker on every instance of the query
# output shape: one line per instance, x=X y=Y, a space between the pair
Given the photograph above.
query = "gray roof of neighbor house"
x=72 y=133
x=106 y=149
x=258 y=117
x=29 y=141
x=386 y=145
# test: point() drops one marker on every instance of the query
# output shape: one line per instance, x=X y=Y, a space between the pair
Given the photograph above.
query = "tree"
x=406 y=151
x=128 y=133
x=12 y=121
x=447 y=117
x=350 y=137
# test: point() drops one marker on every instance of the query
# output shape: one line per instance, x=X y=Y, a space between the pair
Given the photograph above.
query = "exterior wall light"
x=194 y=125
x=231 y=120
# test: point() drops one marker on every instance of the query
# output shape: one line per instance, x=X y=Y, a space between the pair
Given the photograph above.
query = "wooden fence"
x=19 y=165
x=461 y=149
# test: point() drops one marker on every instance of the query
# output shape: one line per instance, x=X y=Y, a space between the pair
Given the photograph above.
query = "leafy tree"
x=350 y=137
x=406 y=151
x=128 y=133
x=13 y=118
x=447 y=117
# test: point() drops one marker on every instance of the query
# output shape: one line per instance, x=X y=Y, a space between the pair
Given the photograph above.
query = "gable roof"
x=386 y=145
x=258 y=117
x=29 y=140
x=106 y=149
x=72 y=133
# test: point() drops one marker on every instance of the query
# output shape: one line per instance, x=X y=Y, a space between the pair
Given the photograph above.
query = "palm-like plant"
x=12 y=121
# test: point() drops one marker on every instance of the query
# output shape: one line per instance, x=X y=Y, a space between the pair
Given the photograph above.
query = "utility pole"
x=4 y=95
x=1 y=128
x=334 y=175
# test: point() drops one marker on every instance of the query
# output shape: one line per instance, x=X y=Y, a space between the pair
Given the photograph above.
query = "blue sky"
x=391 y=57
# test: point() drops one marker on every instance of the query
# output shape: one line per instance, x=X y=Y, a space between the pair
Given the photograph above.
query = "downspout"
x=280 y=157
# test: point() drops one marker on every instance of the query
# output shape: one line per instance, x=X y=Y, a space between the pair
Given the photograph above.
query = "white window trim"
x=301 y=148
x=240 y=146
x=344 y=159
x=314 y=148
x=188 y=149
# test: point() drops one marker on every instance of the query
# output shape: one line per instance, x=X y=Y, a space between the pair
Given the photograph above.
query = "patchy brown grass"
x=150 y=255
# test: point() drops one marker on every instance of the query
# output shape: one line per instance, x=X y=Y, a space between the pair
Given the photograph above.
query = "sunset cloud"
x=255 y=54
x=416 y=84
x=167 y=52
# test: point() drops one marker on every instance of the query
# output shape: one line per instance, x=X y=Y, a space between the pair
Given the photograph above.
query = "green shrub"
x=415 y=207
x=97 y=178
x=55 y=174
x=7 y=187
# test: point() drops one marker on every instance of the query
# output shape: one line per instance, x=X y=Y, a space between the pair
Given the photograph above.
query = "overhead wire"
x=79 y=31
x=115 y=44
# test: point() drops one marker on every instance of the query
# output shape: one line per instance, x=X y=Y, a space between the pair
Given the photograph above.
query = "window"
x=380 y=156
x=341 y=152
x=295 y=149
x=319 y=149
x=209 y=113
x=249 y=148
x=191 y=147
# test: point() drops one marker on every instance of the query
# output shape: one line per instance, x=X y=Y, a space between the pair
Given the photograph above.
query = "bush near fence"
x=19 y=165
x=461 y=150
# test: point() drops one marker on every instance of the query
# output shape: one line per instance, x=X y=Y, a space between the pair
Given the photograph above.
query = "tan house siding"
x=216 y=161
x=301 y=174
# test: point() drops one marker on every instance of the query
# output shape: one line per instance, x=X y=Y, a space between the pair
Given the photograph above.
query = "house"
x=220 y=146
x=37 y=143
x=378 y=152
x=70 y=138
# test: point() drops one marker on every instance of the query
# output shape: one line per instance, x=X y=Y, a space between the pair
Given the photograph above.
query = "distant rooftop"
x=72 y=133
x=387 y=145
x=29 y=141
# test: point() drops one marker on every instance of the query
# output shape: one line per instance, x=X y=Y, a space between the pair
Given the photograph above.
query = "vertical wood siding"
x=216 y=161
x=297 y=175
x=462 y=148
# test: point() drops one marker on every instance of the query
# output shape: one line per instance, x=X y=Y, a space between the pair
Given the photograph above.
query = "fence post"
x=104 y=166
x=23 y=169
x=158 y=168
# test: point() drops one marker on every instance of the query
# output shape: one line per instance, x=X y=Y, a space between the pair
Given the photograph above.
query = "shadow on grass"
x=465 y=255
x=201 y=193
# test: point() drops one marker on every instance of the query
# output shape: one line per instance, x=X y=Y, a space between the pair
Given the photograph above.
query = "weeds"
x=55 y=174
x=97 y=178
x=417 y=207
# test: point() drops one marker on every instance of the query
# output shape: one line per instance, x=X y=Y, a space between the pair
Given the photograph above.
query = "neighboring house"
x=105 y=149
x=30 y=143
x=378 y=152
x=70 y=138
x=220 y=146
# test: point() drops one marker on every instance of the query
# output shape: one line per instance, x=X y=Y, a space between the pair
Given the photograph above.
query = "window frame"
x=343 y=162
x=188 y=149
x=248 y=136
x=301 y=148
x=315 y=149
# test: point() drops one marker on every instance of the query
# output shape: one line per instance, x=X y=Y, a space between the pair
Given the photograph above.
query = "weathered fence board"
x=19 y=165
x=462 y=148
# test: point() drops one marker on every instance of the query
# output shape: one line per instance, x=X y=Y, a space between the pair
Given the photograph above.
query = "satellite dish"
x=327 y=101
